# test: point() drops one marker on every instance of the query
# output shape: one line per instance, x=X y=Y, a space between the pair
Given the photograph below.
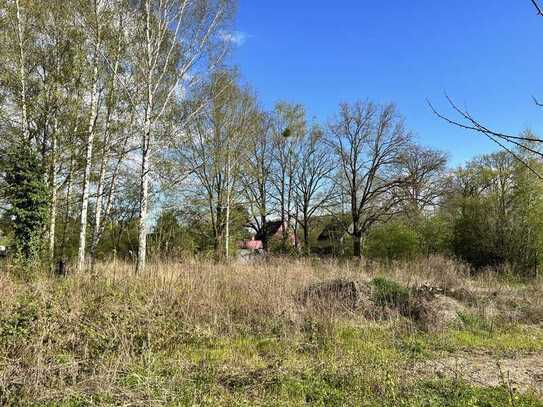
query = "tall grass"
x=180 y=327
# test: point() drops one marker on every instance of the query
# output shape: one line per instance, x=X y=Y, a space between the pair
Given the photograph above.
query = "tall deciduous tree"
x=93 y=16
x=257 y=174
x=425 y=178
x=313 y=182
x=173 y=40
x=368 y=141
x=289 y=126
x=495 y=212
x=216 y=150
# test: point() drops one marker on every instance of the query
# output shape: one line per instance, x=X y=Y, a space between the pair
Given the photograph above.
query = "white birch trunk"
x=156 y=70
x=22 y=73
x=144 y=196
x=145 y=148
x=88 y=165
x=228 y=193
x=53 y=198
x=100 y=189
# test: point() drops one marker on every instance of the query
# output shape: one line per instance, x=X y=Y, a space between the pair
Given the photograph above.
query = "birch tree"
x=175 y=40
x=22 y=68
x=117 y=125
x=17 y=18
x=93 y=19
x=28 y=83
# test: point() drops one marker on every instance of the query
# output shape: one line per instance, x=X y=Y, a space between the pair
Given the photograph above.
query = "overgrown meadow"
x=171 y=236
x=199 y=333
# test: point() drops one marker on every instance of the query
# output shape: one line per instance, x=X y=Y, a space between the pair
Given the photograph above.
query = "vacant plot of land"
x=273 y=334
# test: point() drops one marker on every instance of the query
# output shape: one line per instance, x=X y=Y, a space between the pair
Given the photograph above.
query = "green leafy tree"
x=170 y=238
x=27 y=197
x=434 y=234
x=495 y=213
x=392 y=241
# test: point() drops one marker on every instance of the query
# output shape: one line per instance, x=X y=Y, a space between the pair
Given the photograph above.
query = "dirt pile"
x=431 y=308
x=436 y=313
x=340 y=294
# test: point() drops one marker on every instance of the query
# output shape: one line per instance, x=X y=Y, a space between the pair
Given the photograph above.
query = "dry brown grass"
x=222 y=295
x=228 y=294
x=181 y=324
x=225 y=296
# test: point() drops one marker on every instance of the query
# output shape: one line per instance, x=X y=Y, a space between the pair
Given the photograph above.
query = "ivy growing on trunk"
x=27 y=195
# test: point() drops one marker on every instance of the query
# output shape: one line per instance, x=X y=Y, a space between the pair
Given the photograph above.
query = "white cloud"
x=236 y=38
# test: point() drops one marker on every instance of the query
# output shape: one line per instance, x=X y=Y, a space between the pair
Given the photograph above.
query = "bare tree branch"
x=538 y=8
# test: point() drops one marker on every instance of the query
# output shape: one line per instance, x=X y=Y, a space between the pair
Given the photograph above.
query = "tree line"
x=122 y=122
x=90 y=91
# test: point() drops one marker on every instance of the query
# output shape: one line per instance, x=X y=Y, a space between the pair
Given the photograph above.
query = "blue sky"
x=487 y=55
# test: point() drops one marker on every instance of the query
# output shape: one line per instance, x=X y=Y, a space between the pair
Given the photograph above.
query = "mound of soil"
x=437 y=312
x=429 y=307
x=338 y=293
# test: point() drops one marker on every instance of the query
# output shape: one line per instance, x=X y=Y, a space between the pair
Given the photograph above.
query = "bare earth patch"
x=522 y=373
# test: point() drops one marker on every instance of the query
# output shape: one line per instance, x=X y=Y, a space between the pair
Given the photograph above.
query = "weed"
x=388 y=293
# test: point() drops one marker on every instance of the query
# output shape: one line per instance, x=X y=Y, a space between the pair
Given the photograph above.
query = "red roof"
x=252 y=245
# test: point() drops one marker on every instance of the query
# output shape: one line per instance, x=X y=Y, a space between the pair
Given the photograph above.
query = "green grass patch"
x=503 y=340
x=390 y=293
